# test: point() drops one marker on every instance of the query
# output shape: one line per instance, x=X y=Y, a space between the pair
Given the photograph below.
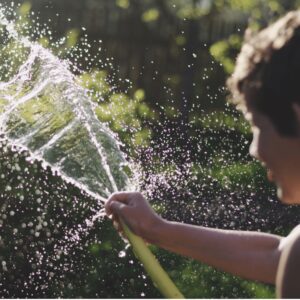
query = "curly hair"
x=267 y=73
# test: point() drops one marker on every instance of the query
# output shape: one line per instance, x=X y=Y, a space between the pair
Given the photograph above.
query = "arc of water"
x=54 y=139
x=79 y=110
x=24 y=71
x=34 y=92
x=152 y=266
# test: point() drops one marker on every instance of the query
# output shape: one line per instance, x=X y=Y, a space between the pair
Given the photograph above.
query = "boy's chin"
x=287 y=197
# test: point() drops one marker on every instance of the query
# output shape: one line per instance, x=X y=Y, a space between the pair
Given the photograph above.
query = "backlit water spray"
x=48 y=115
x=47 y=112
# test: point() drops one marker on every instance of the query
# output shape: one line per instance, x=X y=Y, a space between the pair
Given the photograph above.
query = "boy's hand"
x=135 y=211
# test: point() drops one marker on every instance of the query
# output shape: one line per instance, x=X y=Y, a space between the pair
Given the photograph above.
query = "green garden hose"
x=158 y=275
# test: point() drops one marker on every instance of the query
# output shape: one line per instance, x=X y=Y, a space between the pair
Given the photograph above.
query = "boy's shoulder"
x=289 y=240
x=287 y=280
x=295 y=231
x=292 y=236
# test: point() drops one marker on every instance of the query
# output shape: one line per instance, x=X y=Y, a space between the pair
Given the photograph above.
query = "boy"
x=266 y=86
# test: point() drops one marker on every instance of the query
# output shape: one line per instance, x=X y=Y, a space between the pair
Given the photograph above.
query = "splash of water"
x=47 y=117
x=44 y=110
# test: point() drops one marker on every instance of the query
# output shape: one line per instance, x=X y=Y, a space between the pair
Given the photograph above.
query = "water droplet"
x=122 y=254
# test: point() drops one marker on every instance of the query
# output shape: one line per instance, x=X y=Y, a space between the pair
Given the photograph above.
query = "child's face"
x=280 y=155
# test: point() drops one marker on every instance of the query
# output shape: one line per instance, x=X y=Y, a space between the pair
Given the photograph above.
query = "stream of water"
x=45 y=111
x=48 y=120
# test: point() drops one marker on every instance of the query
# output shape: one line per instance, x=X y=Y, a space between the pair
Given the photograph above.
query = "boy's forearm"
x=251 y=255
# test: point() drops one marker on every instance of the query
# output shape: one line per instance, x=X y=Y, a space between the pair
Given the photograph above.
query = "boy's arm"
x=252 y=255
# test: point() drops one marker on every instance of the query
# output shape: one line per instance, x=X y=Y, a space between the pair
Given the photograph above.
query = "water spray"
x=77 y=103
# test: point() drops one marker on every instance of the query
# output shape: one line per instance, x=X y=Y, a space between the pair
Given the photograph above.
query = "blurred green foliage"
x=224 y=51
x=125 y=115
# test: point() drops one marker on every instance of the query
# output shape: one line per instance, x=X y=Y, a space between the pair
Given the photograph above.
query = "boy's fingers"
x=120 y=196
x=117 y=226
x=116 y=197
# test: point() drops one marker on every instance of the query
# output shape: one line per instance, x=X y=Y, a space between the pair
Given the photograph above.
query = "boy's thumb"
x=117 y=207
